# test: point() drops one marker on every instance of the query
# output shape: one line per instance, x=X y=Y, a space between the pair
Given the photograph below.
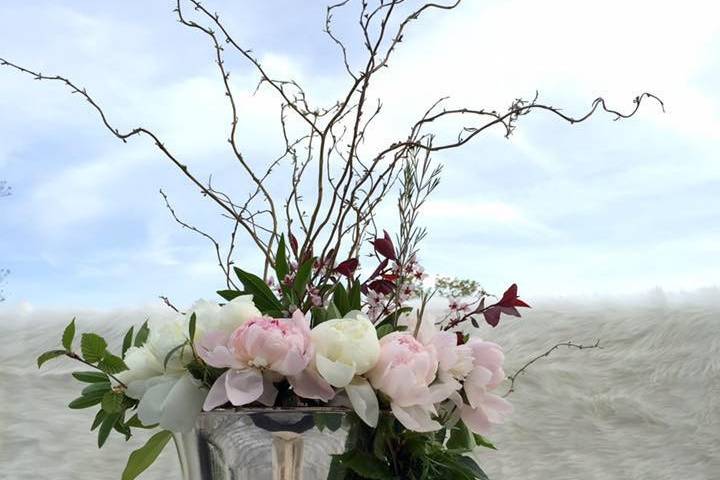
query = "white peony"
x=142 y=364
x=345 y=347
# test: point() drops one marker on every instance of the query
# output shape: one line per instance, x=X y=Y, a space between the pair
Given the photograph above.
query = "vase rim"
x=247 y=410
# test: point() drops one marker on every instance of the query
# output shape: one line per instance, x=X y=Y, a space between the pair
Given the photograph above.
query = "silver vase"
x=263 y=444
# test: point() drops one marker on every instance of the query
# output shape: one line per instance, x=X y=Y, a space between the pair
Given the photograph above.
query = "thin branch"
x=522 y=369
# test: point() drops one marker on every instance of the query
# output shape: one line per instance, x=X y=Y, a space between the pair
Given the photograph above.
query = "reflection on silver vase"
x=262 y=444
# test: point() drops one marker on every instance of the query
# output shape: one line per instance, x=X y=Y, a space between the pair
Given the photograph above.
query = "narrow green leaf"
x=302 y=277
x=481 y=441
x=49 y=356
x=332 y=312
x=135 y=422
x=354 y=296
x=112 y=364
x=471 y=467
x=263 y=297
x=127 y=341
x=96 y=389
x=112 y=402
x=99 y=417
x=68 y=335
x=171 y=353
x=383 y=330
x=460 y=438
x=106 y=427
x=191 y=327
x=91 y=377
x=93 y=347
x=341 y=300
x=281 y=264
x=142 y=335
x=122 y=428
x=144 y=456
x=84 y=402
x=229 y=294
x=367 y=466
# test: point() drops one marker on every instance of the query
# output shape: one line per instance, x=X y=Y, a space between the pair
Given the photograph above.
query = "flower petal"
x=415 y=418
x=151 y=404
x=217 y=395
x=269 y=391
x=182 y=405
x=309 y=384
x=337 y=374
x=243 y=386
x=363 y=400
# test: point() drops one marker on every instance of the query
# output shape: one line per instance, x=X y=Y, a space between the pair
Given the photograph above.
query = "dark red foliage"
x=384 y=246
x=507 y=305
x=381 y=286
x=348 y=267
x=293 y=244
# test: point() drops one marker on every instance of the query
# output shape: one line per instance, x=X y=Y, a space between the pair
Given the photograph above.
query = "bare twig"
x=522 y=369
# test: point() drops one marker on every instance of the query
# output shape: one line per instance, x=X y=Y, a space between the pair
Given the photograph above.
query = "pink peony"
x=405 y=372
x=483 y=408
x=259 y=353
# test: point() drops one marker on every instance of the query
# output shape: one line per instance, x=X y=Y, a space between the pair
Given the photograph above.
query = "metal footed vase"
x=263 y=444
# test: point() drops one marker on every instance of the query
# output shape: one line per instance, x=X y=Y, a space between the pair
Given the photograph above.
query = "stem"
x=77 y=357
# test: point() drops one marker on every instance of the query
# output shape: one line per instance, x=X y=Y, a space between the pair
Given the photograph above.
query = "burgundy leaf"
x=383 y=265
x=381 y=286
x=492 y=315
x=510 y=298
x=384 y=246
x=347 y=267
x=293 y=244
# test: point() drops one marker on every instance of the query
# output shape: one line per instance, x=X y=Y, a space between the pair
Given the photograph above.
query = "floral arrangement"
x=316 y=334
x=314 y=328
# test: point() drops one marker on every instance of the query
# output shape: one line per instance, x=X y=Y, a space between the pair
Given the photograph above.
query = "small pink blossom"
x=259 y=353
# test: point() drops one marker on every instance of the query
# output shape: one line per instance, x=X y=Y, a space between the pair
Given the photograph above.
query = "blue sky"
x=601 y=207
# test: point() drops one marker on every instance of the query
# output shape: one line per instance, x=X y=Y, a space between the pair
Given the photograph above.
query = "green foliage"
x=92 y=347
x=191 y=327
x=144 y=456
x=142 y=335
x=84 y=402
x=112 y=364
x=281 y=264
x=112 y=402
x=49 y=355
x=106 y=427
x=457 y=287
x=264 y=299
x=341 y=300
x=91 y=377
x=366 y=465
x=127 y=341
x=229 y=294
x=68 y=335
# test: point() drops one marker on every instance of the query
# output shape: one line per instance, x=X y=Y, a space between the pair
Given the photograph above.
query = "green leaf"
x=332 y=312
x=96 y=389
x=112 y=402
x=68 y=335
x=84 y=402
x=135 y=422
x=122 y=428
x=229 y=294
x=460 y=438
x=191 y=327
x=263 y=298
x=99 y=417
x=354 y=296
x=393 y=317
x=144 y=456
x=91 y=377
x=49 y=356
x=366 y=465
x=171 y=353
x=93 y=347
x=481 y=441
x=127 y=341
x=341 y=300
x=142 y=335
x=471 y=467
x=106 y=427
x=383 y=330
x=302 y=277
x=281 y=264
x=112 y=364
